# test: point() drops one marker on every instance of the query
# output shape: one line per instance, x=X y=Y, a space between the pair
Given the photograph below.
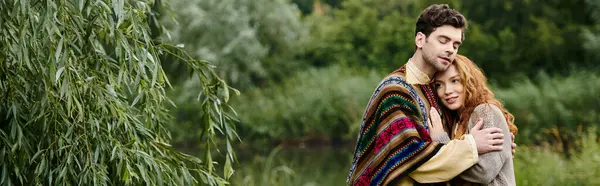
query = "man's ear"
x=420 y=39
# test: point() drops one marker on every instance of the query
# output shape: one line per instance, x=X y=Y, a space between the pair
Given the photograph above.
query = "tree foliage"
x=505 y=38
x=526 y=37
x=592 y=35
x=82 y=98
x=366 y=34
x=251 y=41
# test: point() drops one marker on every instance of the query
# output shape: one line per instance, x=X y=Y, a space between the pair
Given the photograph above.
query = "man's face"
x=440 y=48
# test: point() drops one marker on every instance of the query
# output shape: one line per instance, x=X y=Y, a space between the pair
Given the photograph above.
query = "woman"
x=463 y=91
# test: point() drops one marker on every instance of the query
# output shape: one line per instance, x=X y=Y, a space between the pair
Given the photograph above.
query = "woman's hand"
x=436 y=129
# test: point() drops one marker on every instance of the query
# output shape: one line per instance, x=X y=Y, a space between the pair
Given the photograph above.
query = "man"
x=394 y=146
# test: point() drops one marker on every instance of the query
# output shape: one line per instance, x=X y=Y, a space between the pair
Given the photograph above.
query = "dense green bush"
x=316 y=102
x=553 y=108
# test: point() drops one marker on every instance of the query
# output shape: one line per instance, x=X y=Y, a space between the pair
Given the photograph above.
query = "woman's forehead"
x=448 y=73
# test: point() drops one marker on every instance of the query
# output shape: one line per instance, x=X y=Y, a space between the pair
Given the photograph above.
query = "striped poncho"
x=393 y=139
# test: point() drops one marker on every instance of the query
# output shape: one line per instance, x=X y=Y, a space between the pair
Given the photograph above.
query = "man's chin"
x=442 y=68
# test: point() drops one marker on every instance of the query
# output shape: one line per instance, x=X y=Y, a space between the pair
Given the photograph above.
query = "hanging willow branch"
x=82 y=98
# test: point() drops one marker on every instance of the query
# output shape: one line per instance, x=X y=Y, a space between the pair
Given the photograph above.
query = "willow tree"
x=82 y=98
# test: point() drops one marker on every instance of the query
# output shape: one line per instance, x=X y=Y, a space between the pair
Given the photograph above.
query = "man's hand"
x=487 y=140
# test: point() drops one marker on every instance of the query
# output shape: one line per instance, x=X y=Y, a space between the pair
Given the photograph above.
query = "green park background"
x=269 y=92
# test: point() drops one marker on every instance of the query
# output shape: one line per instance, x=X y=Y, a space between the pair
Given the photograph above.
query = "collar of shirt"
x=414 y=75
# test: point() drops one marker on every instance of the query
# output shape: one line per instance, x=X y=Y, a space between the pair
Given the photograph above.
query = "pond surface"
x=293 y=166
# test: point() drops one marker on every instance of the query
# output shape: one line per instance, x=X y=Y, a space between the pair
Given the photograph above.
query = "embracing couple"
x=434 y=121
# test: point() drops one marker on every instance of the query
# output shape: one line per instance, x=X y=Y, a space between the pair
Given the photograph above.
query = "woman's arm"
x=489 y=164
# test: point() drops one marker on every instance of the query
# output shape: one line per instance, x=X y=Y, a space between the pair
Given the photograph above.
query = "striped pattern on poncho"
x=393 y=138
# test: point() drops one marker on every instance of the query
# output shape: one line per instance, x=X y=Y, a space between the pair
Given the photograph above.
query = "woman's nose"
x=448 y=91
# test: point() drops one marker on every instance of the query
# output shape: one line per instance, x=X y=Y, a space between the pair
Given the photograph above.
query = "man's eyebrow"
x=444 y=37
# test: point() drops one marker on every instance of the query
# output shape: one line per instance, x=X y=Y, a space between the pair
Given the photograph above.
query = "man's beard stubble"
x=432 y=60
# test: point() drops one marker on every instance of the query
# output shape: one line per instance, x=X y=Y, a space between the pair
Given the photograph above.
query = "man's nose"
x=449 y=50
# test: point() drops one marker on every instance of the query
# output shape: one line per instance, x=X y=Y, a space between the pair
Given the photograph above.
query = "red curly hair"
x=477 y=92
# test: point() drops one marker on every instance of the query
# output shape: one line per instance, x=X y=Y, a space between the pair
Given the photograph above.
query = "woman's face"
x=450 y=89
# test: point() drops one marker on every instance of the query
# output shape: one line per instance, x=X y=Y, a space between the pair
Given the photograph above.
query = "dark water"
x=293 y=166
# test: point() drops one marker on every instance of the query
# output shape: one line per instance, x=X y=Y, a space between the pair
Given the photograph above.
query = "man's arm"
x=452 y=159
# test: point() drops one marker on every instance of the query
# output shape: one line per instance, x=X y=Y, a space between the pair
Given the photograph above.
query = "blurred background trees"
x=307 y=83
x=290 y=48
x=251 y=42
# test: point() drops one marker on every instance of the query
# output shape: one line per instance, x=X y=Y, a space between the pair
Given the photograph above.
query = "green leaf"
x=81 y=4
x=40 y=168
x=126 y=175
x=118 y=10
x=143 y=173
x=80 y=111
x=209 y=162
x=59 y=47
x=112 y=154
x=35 y=155
x=137 y=98
x=96 y=155
x=4 y=177
x=225 y=90
x=110 y=90
x=62 y=173
x=228 y=170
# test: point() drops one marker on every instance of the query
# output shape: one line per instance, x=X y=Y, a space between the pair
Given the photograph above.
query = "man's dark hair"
x=438 y=15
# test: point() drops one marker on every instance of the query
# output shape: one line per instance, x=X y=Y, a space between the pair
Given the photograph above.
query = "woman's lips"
x=451 y=100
